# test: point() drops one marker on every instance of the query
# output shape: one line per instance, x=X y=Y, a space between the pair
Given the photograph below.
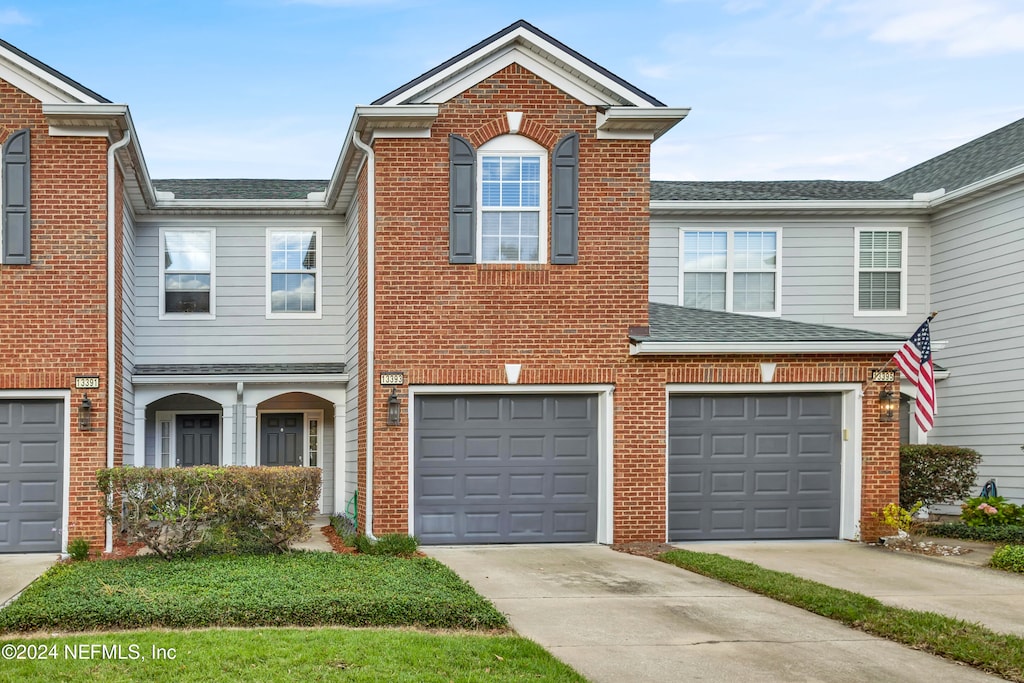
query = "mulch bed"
x=643 y=549
x=337 y=543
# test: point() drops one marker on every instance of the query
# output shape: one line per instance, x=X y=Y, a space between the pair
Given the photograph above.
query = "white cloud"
x=12 y=17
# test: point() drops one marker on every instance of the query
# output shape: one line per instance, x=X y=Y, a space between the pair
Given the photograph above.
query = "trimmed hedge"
x=992 y=534
x=932 y=473
x=182 y=510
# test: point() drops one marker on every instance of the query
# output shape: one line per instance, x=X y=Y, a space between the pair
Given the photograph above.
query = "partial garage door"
x=761 y=466
x=505 y=469
x=31 y=475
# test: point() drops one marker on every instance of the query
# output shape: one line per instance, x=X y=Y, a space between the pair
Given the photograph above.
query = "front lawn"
x=294 y=589
x=288 y=654
x=955 y=639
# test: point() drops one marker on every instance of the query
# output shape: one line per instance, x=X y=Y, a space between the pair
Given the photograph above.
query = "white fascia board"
x=990 y=183
x=619 y=123
x=558 y=57
x=247 y=379
x=38 y=82
x=760 y=348
x=668 y=206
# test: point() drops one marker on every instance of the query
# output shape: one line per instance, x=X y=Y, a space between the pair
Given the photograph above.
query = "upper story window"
x=730 y=270
x=881 y=271
x=187 y=273
x=513 y=182
x=293 y=273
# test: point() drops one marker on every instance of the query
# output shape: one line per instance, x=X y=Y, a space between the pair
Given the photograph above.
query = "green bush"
x=992 y=534
x=1010 y=558
x=78 y=549
x=991 y=511
x=932 y=473
x=387 y=545
x=185 y=510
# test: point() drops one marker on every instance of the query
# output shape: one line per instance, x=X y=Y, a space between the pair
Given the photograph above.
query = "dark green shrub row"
x=388 y=545
x=292 y=589
x=992 y=534
x=991 y=511
x=932 y=473
x=1010 y=558
x=190 y=509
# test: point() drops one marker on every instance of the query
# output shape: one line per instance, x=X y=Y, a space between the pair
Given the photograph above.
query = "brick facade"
x=446 y=324
x=53 y=312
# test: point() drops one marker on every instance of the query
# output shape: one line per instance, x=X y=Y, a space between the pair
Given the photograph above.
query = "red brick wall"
x=459 y=324
x=53 y=312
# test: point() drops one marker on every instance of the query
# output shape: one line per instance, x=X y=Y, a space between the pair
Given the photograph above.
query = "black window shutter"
x=17 y=185
x=462 y=201
x=565 y=193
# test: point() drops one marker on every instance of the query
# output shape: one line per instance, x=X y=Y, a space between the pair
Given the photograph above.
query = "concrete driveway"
x=616 y=617
x=17 y=571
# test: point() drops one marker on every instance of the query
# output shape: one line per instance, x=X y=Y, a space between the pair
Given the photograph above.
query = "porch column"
x=140 y=438
x=227 y=435
x=250 y=435
x=340 y=458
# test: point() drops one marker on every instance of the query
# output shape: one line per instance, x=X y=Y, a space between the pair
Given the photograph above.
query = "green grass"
x=952 y=638
x=272 y=654
x=295 y=589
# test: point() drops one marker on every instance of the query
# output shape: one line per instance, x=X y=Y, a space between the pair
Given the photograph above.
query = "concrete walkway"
x=956 y=587
x=616 y=617
x=19 y=570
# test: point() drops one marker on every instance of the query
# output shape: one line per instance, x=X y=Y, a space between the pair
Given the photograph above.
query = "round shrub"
x=991 y=511
x=932 y=473
x=1010 y=558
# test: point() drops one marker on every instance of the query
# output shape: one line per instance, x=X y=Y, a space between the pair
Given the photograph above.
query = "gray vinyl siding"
x=352 y=355
x=817 y=261
x=241 y=329
x=128 y=333
x=978 y=291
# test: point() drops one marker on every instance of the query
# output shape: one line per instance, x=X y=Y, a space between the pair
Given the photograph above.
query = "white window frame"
x=318 y=278
x=904 y=249
x=161 y=250
x=730 y=270
x=513 y=145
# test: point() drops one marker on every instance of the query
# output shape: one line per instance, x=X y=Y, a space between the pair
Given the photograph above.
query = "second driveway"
x=616 y=617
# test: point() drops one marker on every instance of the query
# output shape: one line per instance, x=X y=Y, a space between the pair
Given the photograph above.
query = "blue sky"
x=780 y=89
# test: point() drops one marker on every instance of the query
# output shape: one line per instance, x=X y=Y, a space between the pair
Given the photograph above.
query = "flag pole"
x=928 y=319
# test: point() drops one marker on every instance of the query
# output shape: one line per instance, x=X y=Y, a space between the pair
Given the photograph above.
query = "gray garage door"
x=31 y=475
x=754 y=466
x=505 y=469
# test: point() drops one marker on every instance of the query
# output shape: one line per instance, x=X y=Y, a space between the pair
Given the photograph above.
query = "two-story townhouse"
x=942 y=236
x=457 y=327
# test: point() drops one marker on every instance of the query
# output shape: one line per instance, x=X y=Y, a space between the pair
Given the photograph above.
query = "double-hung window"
x=293 y=273
x=881 y=271
x=187 y=285
x=513 y=182
x=730 y=270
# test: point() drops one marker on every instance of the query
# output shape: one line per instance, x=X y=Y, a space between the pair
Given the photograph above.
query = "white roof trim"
x=650 y=348
x=962 y=193
x=712 y=205
x=632 y=122
x=322 y=378
x=39 y=83
x=585 y=75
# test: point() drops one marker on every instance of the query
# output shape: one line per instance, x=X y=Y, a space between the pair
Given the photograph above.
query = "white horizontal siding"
x=241 y=332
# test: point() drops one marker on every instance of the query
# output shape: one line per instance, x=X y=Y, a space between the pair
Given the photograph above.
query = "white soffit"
x=546 y=60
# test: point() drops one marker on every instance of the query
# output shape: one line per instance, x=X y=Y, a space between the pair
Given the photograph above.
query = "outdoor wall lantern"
x=888 y=405
x=85 y=414
x=394 y=409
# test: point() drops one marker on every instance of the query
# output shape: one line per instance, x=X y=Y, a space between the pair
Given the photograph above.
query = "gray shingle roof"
x=239 y=188
x=243 y=369
x=758 y=190
x=53 y=72
x=678 y=324
x=976 y=160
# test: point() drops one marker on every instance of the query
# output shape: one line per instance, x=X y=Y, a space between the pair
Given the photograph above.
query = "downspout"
x=371 y=210
x=108 y=546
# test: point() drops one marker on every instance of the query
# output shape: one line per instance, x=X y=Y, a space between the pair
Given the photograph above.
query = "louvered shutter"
x=565 y=191
x=462 y=201
x=17 y=223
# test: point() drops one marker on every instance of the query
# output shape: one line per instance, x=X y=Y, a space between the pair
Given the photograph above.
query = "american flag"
x=915 y=362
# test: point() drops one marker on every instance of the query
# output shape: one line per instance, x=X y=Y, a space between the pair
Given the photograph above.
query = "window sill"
x=187 y=316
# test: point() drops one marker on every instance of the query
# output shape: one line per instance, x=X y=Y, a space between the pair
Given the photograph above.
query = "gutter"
x=655 y=348
x=371 y=210
x=111 y=308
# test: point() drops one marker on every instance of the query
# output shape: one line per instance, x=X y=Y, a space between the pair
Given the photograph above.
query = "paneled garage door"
x=505 y=468
x=31 y=475
x=757 y=466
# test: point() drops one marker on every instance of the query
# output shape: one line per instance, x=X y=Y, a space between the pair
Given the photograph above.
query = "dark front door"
x=281 y=439
x=198 y=439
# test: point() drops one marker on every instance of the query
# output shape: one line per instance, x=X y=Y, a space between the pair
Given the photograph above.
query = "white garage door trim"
x=852 y=412
x=65 y=396
x=605 y=435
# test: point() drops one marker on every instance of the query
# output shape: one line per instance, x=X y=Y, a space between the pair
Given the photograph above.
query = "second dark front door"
x=198 y=436
x=281 y=439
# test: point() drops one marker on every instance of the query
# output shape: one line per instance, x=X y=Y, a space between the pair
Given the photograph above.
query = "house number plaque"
x=392 y=379
x=87 y=382
x=883 y=375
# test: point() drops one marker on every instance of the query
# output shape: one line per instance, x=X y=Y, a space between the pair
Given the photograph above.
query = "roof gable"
x=42 y=82
x=528 y=46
